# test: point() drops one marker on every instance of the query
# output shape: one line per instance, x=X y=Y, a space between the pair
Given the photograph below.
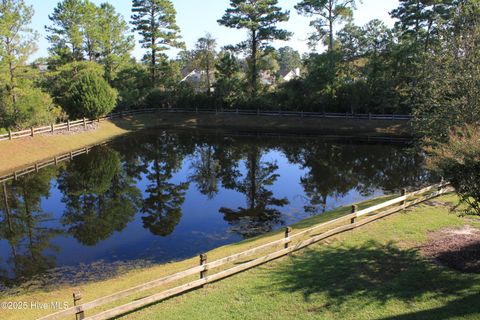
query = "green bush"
x=458 y=160
x=90 y=96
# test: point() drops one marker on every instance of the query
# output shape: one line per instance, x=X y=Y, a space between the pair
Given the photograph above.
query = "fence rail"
x=50 y=162
x=69 y=125
x=288 y=245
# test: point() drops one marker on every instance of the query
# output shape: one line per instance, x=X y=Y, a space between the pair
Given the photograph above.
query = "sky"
x=196 y=17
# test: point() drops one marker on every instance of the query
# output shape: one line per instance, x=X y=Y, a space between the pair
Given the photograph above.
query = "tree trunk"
x=11 y=70
x=208 y=74
x=153 y=45
x=7 y=209
x=330 y=26
x=253 y=62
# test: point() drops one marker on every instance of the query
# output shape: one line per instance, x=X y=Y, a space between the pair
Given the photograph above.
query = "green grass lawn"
x=374 y=272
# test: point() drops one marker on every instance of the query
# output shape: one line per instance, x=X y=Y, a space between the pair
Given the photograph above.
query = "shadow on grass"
x=376 y=274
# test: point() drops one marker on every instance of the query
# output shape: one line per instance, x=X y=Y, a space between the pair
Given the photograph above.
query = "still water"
x=163 y=195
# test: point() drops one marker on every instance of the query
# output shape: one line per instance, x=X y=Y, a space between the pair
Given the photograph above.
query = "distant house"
x=41 y=67
x=269 y=79
x=197 y=78
x=291 y=75
x=266 y=78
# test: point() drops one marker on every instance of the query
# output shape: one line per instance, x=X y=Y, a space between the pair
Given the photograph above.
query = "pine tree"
x=114 y=44
x=419 y=19
x=328 y=12
x=155 y=21
x=259 y=17
x=206 y=56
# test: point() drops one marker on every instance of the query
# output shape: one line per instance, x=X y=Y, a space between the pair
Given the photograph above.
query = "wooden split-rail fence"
x=69 y=125
x=289 y=243
x=50 y=162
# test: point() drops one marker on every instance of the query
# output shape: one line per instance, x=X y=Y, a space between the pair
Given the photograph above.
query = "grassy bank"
x=18 y=153
x=374 y=272
x=123 y=280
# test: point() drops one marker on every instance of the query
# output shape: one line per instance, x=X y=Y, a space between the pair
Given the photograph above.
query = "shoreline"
x=16 y=154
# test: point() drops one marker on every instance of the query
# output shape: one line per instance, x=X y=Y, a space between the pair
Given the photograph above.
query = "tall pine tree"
x=155 y=21
x=328 y=12
x=259 y=17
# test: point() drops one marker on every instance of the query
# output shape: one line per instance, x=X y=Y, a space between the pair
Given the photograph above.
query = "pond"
x=162 y=195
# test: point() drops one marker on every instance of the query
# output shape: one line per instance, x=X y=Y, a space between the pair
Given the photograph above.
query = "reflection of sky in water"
x=201 y=227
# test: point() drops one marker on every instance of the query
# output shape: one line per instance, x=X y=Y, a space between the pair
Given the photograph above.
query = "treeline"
x=90 y=70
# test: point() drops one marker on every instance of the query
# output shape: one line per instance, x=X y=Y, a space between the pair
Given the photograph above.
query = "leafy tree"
x=259 y=17
x=420 y=19
x=155 y=21
x=329 y=12
x=114 y=44
x=447 y=94
x=90 y=96
x=351 y=40
x=66 y=34
x=82 y=30
x=81 y=90
x=229 y=82
x=458 y=161
x=289 y=59
x=206 y=57
x=133 y=85
x=21 y=104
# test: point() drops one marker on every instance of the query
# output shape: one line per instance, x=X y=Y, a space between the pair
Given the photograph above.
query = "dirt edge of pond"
x=458 y=249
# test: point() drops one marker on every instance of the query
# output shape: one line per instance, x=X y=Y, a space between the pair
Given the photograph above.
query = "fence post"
x=354 y=209
x=32 y=131
x=404 y=192
x=77 y=296
x=258 y=111
x=52 y=127
x=369 y=116
x=203 y=261
x=288 y=230
x=9 y=134
x=36 y=167
x=68 y=125
x=84 y=123
x=55 y=160
x=71 y=155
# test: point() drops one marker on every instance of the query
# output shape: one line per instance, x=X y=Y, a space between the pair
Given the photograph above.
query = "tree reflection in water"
x=24 y=227
x=260 y=215
x=100 y=197
x=150 y=173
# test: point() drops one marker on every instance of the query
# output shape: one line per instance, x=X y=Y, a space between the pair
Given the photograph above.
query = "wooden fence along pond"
x=67 y=126
x=236 y=263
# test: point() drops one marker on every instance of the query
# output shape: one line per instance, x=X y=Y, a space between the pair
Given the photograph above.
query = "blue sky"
x=197 y=17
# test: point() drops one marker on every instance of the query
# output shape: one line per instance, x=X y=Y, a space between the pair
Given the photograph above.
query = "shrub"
x=90 y=96
x=458 y=160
